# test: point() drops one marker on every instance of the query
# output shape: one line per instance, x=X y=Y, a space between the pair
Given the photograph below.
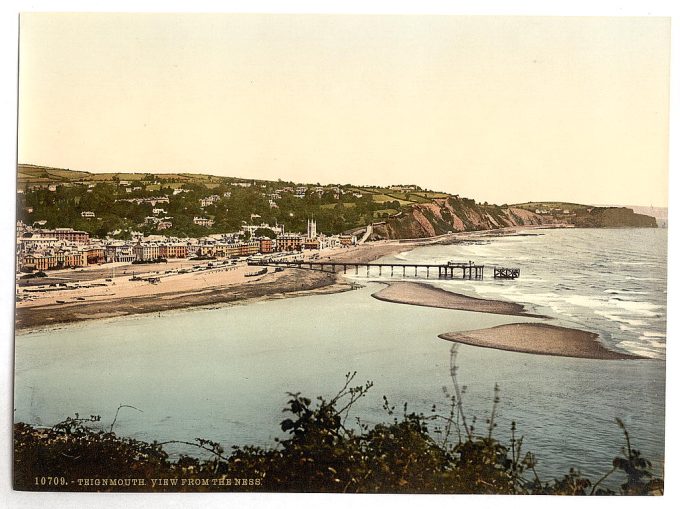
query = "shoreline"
x=119 y=297
x=114 y=296
x=227 y=286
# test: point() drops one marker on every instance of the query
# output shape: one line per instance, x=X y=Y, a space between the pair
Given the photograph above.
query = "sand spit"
x=421 y=294
x=538 y=338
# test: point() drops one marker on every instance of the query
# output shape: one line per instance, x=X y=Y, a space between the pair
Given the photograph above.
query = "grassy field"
x=382 y=198
x=390 y=212
x=32 y=174
x=430 y=195
x=333 y=205
x=44 y=174
x=108 y=177
x=549 y=205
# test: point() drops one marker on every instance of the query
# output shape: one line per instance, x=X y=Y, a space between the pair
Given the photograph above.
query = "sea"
x=609 y=281
x=224 y=373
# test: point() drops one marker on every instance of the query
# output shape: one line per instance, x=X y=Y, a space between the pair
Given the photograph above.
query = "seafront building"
x=120 y=252
x=60 y=248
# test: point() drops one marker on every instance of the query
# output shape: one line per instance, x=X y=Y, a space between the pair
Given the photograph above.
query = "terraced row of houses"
x=44 y=249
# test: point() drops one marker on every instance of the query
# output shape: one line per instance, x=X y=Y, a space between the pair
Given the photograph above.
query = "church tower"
x=311 y=229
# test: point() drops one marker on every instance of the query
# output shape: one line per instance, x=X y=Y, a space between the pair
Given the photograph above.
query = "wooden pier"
x=505 y=273
x=450 y=270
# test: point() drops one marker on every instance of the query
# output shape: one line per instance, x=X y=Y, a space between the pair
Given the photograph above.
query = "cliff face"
x=613 y=217
x=455 y=214
x=452 y=214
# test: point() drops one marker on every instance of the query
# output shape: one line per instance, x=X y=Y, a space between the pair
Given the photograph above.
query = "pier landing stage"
x=450 y=270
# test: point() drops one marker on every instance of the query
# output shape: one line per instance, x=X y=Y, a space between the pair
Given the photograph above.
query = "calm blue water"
x=222 y=373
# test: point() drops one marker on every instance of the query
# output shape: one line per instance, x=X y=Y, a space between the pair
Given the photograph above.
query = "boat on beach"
x=257 y=273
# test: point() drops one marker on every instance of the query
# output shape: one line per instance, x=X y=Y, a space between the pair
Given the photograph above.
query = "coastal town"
x=41 y=249
x=92 y=245
x=78 y=222
x=109 y=244
x=59 y=266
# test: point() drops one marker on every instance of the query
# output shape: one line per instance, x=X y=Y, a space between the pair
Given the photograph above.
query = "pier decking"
x=450 y=270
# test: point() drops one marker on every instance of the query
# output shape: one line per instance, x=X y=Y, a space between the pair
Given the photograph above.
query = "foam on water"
x=612 y=282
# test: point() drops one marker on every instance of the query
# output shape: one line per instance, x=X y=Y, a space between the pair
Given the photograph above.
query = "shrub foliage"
x=414 y=453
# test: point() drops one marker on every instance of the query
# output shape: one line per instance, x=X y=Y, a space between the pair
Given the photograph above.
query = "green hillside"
x=123 y=202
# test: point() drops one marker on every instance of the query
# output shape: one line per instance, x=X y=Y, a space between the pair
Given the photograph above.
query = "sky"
x=500 y=109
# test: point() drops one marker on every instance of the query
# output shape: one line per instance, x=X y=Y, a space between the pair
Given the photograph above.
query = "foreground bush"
x=321 y=454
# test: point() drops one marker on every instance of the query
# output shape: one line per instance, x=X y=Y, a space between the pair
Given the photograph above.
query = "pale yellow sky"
x=500 y=109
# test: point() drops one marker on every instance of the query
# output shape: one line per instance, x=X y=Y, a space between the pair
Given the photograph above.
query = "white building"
x=203 y=221
x=251 y=228
x=119 y=253
x=209 y=200
x=328 y=242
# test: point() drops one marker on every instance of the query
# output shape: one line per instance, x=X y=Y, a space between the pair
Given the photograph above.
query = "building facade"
x=289 y=242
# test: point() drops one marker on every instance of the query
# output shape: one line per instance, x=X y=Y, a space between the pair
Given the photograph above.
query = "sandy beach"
x=538 y=338
x=107 y=291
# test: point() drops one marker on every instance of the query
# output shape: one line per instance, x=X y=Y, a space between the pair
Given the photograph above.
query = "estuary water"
x=223 y=373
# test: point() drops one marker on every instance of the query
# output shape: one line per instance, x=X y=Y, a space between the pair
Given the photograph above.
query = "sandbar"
x=538 y=338
x=421 y=294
